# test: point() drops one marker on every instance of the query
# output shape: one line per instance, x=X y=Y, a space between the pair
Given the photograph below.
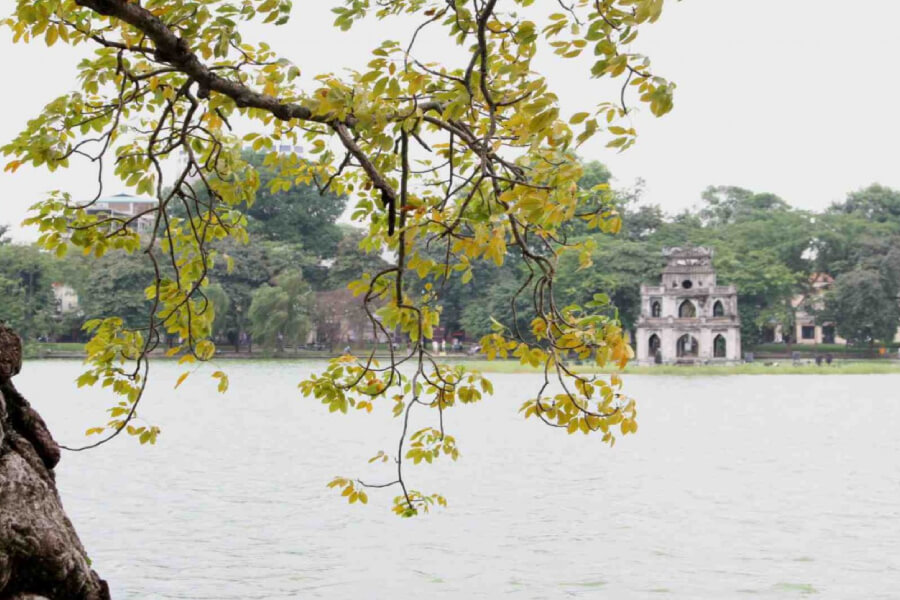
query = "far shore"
x=786 y=366
x=850 y=367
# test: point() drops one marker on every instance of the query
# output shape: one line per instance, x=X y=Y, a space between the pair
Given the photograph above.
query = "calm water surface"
x=757 y=486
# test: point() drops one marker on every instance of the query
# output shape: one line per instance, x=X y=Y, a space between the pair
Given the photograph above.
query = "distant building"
x=289 y=149
x=66 y=298
x=806 y=329
x=688 y=318
x=127 y=206
x=340 y=319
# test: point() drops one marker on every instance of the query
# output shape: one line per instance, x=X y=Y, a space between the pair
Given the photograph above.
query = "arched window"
x=653 y=344
x=687 y=346
x=687 y=310
x=718 y=309
x=719 y=346
x=655 y=308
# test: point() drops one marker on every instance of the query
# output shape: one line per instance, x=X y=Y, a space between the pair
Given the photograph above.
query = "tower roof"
x=688 y=259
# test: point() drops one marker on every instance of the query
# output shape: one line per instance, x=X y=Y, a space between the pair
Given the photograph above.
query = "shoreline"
x=501 y=366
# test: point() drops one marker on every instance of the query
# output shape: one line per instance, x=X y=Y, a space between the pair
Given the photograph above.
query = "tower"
x=688 y=318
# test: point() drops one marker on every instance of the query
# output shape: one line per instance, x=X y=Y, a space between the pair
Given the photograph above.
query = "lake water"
x=767 y=486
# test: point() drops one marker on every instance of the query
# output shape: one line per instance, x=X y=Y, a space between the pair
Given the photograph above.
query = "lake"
x=767 y=486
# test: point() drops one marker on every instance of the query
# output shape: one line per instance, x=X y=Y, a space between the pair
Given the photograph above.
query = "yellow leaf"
x=13 y=165
x=578 y=118
x=182 y=378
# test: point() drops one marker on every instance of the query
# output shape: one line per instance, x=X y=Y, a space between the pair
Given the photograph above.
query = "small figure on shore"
x=828 y=358
x=347 y=349
x=818 y=360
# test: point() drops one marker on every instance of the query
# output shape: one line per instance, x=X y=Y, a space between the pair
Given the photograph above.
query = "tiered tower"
x=688 y=318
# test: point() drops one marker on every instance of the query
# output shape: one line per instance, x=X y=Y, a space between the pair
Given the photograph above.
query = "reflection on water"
x=779 y=486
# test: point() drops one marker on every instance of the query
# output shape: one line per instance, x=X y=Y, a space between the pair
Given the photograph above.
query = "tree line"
x=294 y=274
x=265 y=291
x=764 y=246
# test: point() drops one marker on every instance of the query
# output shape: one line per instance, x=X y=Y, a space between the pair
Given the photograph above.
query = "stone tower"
x=688 y=318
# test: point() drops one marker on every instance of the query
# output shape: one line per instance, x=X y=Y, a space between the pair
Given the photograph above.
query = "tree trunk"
x=40 y=554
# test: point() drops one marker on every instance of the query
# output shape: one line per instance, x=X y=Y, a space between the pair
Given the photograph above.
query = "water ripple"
x=766 y=486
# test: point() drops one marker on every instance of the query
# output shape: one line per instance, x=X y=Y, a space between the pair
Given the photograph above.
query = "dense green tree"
x=221 y=304
x=28 y=303
x=247 y=271
x=619 y=267
x=300 y=214
x=489 y=299
x=350 y=258
x=641 y=221
x=889 y=268
x=13 y=304
x=289 y=212
x=864 y=309
x=280 y=314
x=843 y=240
x=116 y=284
x=765 y=288
x=874 y=203
x=595 y=174
x=685 y=227
x=787 y=235
x=725 y=205
x=74 y=270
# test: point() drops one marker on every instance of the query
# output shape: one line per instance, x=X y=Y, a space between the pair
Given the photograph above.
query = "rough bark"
x=40 y=554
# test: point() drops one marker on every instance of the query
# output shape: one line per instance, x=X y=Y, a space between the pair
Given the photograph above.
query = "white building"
x=688 y=318
x=66 y=297
x=127 y=206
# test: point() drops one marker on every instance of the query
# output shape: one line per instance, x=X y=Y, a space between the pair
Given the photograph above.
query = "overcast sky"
x=795 y=97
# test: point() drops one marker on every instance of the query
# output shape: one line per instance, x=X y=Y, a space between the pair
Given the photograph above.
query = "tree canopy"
x=27 y=302
x=296 y=215
x=280 y=313
x=865 y=309
x=471 y=155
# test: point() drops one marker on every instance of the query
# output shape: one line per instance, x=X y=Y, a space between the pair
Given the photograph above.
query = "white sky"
x=795 y=97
